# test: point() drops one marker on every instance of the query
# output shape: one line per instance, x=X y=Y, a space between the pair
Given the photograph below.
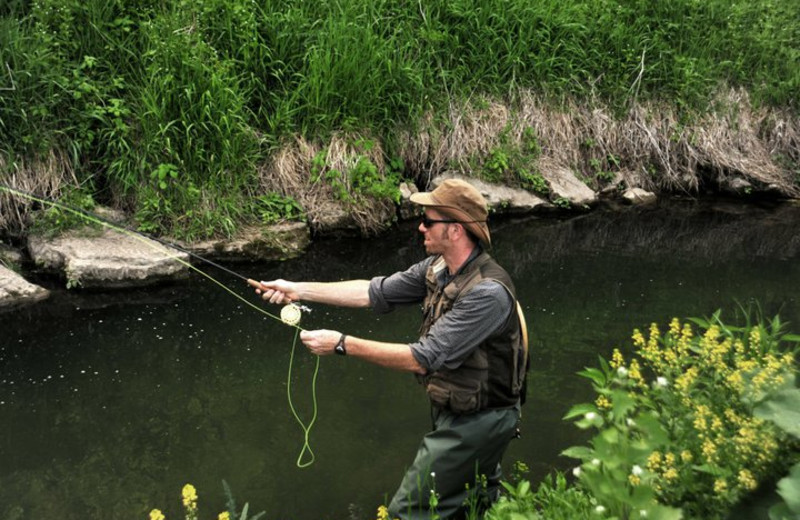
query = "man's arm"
x=390 y=355
x=350 y=293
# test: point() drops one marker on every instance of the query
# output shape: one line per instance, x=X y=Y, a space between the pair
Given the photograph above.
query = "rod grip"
x=255 y=283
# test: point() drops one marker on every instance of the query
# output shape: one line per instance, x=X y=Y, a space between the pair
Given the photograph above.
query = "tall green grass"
x=205 y=89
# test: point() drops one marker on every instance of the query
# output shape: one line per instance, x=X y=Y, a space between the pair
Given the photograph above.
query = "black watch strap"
x=339 y=348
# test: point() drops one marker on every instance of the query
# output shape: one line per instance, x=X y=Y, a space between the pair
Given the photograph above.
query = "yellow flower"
x=654 y=461
x=638 y=339
x=686 y=456
x=616 y=359
x=383 y=513
x=671 y=474
x=603 y=402
x=675 y=327
x=634 y=480
x=709 y=450
x=224 y=516
x=746 y=480
x=156 y=514
x=720 y=486
x=189 y=496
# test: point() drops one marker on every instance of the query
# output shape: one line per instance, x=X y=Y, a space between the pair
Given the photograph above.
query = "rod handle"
x=255 y=283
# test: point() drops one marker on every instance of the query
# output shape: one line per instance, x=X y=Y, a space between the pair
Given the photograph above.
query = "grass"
x=213 y=88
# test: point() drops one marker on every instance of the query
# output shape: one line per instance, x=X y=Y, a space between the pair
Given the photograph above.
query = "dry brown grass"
x=45 y=178
x=655 y=149
x=289 y=173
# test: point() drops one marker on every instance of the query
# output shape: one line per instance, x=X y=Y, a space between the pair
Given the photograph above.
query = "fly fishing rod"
x=290 y=314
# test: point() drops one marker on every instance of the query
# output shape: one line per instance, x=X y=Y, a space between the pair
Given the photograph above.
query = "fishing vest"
x=493 y=376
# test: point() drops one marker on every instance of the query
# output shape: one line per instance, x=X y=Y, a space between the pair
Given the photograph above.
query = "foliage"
x=191 y=511
x=274 y=208
x=676 y=424
x=53 y=220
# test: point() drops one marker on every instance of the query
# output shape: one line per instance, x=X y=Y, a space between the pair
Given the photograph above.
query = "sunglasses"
x=428 y=222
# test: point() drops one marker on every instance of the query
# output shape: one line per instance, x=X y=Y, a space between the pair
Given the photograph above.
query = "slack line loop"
x=290 y=314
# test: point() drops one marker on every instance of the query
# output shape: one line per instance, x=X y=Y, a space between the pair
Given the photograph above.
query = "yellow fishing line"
x=291 y=319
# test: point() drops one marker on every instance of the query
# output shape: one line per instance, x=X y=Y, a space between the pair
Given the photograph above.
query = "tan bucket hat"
x=461 y=201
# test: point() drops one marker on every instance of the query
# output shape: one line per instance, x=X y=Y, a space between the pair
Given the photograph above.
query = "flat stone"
x=107 y=259
x=501 y=199
x=16 y=292
x=277 y=242
x=564 y=185
x=639 y=197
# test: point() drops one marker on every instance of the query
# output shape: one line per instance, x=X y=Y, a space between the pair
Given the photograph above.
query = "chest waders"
x=475 y=408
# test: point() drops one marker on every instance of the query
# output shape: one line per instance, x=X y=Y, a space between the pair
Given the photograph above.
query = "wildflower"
x=674 y=327
x=720 y=486
x=156 y=514
x=595 y=462
x=622 y=372
x=638 y=338
x=662 y=382
x=746 y=480
x=576 y=471
x=686 y=456
x=603 y=402
x=643 y=513
x=654 y=461
x=590 y=416
x=634 y=480
x=636 y=470
x=599 y=510
x=616 y=359
x=189 y=497
x=630 y=422
x=671 y=474
x=383 y=513
x=224 y=516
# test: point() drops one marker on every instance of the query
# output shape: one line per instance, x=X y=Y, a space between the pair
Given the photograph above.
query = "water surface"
x=110 y=402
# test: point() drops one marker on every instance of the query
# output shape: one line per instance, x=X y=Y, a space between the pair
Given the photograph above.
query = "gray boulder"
x=15 y=291
x=501 y=199
x=107 y=259
x=277 y=242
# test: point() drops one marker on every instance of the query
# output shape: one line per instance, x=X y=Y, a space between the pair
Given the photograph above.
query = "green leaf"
x=580 y=409
x=578 y=452
x=595 y=375
x=782 y=408
x=789 y=489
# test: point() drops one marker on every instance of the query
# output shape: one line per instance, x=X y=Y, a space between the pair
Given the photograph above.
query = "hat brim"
x=479 y=229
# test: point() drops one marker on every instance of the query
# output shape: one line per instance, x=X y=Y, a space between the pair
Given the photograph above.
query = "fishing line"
x=290 y=314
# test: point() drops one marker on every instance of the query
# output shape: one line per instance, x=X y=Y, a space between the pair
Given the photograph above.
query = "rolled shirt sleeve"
x=474 y=317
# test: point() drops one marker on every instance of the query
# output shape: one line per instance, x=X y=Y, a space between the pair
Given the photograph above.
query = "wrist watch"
x=339 y=348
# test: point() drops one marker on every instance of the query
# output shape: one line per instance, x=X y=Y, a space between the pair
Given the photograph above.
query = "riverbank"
x=198 y=118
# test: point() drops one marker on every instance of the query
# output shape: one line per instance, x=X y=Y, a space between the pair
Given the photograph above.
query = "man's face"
x=436 y=234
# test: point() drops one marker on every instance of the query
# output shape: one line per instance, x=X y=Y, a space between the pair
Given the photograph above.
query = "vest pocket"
x=459 y=398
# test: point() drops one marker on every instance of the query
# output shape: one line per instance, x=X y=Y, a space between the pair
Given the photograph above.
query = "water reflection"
x=111 y=402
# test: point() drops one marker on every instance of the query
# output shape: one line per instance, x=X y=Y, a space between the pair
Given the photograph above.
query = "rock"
x=736 y=186
x=330 y=216
x=501 y=199
x=408 y=210
x=638 y=196
x=565 y=187
x=10 y=255
x=15 y=291
x=107 y=259
x=277 y=242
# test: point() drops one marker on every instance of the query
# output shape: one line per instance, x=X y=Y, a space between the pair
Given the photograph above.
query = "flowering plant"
x=676 y=423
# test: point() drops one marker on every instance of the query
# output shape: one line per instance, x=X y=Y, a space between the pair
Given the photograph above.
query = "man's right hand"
x=278 y=291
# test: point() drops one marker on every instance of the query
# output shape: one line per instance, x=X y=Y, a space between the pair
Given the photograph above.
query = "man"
x=470 y=356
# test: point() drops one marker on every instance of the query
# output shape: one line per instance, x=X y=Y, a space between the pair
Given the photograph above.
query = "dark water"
x=109 y=403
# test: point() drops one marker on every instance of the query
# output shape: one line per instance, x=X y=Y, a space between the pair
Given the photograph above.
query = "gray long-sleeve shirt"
x=474 y=317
